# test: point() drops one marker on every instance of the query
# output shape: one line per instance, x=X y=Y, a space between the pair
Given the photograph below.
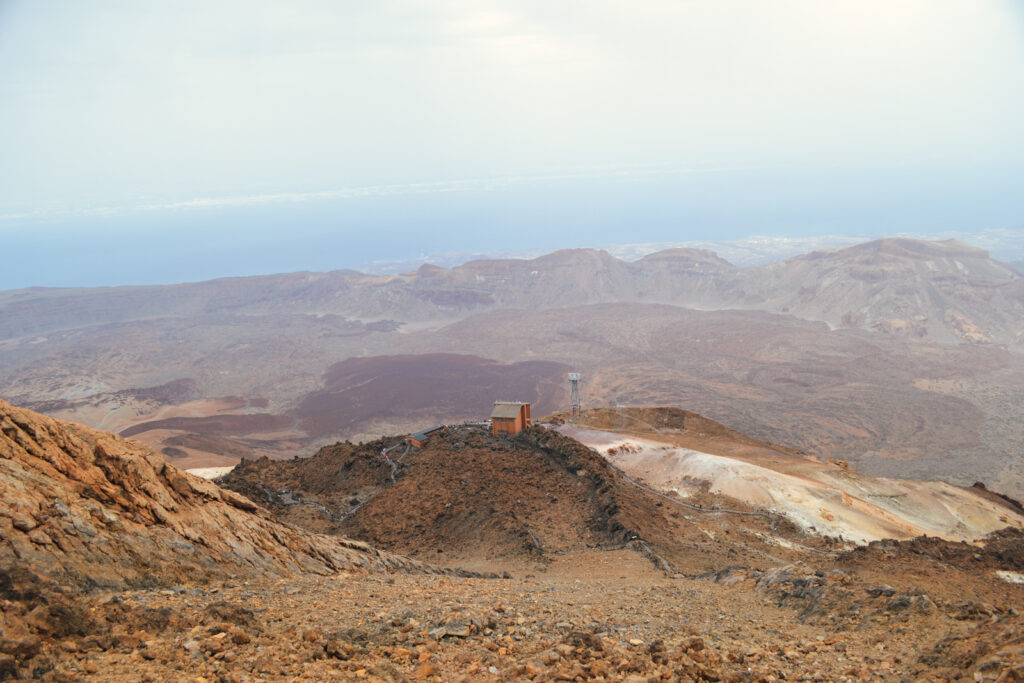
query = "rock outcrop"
x=90 y=509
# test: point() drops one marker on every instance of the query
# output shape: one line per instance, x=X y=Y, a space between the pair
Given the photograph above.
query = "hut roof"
x=507 y=410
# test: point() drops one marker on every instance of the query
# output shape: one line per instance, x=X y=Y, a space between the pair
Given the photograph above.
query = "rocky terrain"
x=468 y=497
x=902 y=357
x=115 y=566
x=653 y=476
x=84 y=510
x=596 y=616
x=91 y=509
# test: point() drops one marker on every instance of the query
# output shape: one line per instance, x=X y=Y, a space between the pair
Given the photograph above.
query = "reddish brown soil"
x=432 y=387
x=220 y=425
x=208 y=444
x=173 y=453
x=379 y=390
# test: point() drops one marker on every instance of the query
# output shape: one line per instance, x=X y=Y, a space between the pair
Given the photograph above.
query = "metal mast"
x=574 y=394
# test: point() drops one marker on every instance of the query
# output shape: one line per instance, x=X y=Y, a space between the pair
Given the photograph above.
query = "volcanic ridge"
x=468 y=496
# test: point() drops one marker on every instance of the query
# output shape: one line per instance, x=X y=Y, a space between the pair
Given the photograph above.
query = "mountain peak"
x=690 y=255
x=917 y=249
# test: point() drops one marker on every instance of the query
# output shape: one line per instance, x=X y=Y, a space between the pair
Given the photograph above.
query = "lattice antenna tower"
x=574 y=394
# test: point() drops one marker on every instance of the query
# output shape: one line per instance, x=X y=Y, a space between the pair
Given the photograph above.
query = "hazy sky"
x=181 y=140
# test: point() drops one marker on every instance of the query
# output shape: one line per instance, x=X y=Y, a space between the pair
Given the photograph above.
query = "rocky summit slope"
x=90 y=509
x=620 y=581
x=86 y=513
x=116 y=567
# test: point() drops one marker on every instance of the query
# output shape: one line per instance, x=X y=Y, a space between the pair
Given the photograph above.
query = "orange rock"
x=424 y=671
x=129 y=503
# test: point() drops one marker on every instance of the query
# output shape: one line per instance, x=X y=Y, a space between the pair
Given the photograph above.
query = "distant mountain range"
x=899 y=355
x=1005 y=244
x=947 y=291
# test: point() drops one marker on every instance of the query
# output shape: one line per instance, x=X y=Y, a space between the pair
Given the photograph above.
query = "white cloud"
x=123 y=98
x=462 y=185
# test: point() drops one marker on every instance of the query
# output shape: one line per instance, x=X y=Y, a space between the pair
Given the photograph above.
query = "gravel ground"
x=590 y=616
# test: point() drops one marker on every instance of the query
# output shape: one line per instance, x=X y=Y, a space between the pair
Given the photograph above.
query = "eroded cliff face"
x=91 y=509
